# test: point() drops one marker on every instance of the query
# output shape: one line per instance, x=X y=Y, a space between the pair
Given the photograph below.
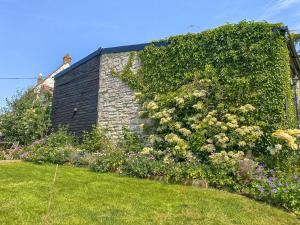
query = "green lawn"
x=83 y=197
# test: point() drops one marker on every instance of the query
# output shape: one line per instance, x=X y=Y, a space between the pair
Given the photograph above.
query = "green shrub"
x=56 y=148
x=57 y=155
x=11 y=153
x=130 y=141
x=106 y=161
x=26 y=117
x=97 y=141
x=231 y=171
x=137 y=165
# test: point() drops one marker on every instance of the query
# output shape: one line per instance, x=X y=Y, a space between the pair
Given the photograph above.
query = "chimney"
x=67 y=59
x=40 y=79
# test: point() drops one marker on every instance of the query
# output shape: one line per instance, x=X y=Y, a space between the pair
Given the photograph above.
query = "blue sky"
x=35 y=34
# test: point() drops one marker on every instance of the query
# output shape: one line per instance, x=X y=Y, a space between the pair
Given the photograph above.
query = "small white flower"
x=146 y=150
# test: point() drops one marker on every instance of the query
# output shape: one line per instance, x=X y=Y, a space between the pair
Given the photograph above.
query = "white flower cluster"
x=208 y=148
x=222 y=139
x=274 y=150
x=151 y=106
x=146 y=150
x=164 y=115
x=205 y=82
x=165 y=120
x=137 y=95
x=229 y=158
x=199 y=106
x=242 y=143
x=179 y=101
x=185 y=132
x=153 y=138
x=199 y=94
x=210 y=119
x=254 y=131
x=232 y=121
x=174 y=139
x=177 y=125
x=247 y=108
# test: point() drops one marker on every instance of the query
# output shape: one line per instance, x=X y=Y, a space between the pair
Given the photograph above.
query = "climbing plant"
x=251 y=63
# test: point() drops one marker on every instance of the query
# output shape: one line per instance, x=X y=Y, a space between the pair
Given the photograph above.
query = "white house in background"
x=47 y=84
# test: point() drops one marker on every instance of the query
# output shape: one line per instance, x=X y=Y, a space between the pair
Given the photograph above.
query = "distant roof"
x=100 y=51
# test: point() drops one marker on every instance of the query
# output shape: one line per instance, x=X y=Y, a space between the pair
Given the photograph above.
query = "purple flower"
x=260 y=188
x=264 y=165
x=272 y=185
x=151 y=157
x=295 y=177
x=23 y=155
x=274 y=191
x=287 y=185
x=272 y=178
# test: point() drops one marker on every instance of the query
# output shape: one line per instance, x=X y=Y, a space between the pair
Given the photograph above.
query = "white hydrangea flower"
x=179 y=101
x=146 y=150
x=199 y=94
x=185 y=132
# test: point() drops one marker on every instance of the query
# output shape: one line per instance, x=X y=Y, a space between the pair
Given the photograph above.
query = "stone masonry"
x=116 y=106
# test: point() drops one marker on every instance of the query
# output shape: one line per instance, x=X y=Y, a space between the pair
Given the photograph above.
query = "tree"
x=26 y=117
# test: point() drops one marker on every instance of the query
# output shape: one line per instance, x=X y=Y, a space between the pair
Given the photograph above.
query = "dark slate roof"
x=100 y=51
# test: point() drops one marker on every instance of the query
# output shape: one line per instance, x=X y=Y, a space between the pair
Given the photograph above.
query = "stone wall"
x=116 y=106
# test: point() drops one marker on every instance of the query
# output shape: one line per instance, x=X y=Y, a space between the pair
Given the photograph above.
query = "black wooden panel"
x=78 y=88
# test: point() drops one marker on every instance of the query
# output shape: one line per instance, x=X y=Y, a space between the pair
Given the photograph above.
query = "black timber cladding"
x=75 y=97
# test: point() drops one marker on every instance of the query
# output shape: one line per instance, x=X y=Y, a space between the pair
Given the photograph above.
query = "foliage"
x=56 y=148
x=96 y=141
x=130 y=141
x=231 y=170
x=106 y=161
x=26 y=117
x=284 y=150
x=279 y=188
x=251 y=60
x=137 y=165
x=295 y=37
x=127 y=75
x=185 y=126
x=10 y=154
x=212 y=98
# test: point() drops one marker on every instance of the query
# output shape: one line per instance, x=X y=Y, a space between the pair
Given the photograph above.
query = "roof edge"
x=100 y=51
x=75 y=65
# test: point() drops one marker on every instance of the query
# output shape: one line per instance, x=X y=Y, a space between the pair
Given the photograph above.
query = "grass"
x=83 y=197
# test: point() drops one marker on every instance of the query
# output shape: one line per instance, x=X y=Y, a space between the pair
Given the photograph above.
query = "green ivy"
x=128 y=76
x=251 y=61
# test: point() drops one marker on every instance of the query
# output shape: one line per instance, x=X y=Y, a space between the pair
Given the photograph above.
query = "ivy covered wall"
x=251 y=61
